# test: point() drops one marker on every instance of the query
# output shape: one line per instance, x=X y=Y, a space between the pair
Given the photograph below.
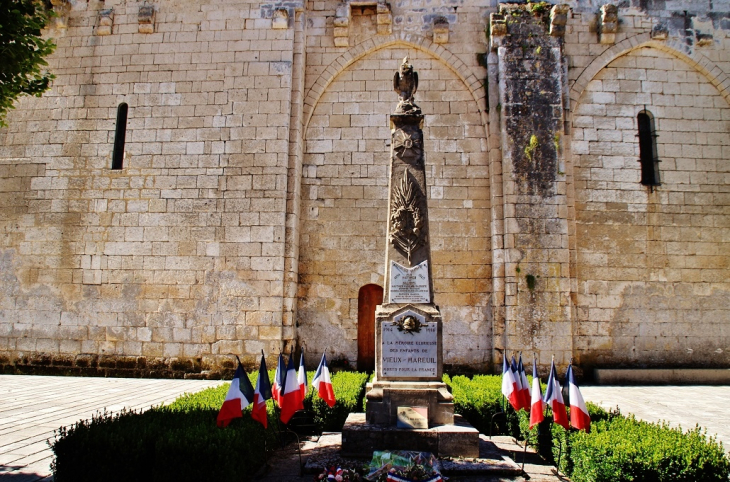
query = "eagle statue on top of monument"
x=405 y=84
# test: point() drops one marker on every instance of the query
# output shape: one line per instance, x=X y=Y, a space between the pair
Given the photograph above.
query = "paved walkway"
x=684 y=406
x=32 y=407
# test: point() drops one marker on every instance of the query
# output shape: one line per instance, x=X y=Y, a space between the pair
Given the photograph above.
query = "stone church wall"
x=175 y=261
x=251 y=207
x=652 y=266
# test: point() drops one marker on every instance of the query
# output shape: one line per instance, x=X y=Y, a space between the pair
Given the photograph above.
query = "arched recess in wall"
x=650 y=266
x=681 y=50
x=474 y=84
x=345 y=191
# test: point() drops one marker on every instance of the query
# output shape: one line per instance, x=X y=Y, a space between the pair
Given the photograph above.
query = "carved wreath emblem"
x=408 y=324
x=408 y=146
x=406 y=221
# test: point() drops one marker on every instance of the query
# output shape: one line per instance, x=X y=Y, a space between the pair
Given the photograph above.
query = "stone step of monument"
x=497 y=462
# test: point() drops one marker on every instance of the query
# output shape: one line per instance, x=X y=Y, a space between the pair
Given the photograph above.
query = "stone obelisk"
x=408 y=406
x=408 y=337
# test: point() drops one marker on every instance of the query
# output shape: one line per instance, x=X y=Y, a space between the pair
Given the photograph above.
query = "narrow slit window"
x=120 y=136
x=647 y=150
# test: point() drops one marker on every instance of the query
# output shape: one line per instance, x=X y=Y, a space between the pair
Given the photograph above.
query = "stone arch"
x=714 y=74
x=473 y=83
x=634 y=286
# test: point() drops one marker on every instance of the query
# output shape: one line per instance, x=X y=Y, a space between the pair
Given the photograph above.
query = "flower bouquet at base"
x=404 y=466
x=338 y=474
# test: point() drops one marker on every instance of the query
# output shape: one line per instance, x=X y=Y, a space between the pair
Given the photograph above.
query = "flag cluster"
x=288 y=391
x=516 y=390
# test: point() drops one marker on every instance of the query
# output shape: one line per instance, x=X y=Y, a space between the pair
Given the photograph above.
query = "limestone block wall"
x=174 y=262
x=251 y=206
x=652 y=267
x=344 y=205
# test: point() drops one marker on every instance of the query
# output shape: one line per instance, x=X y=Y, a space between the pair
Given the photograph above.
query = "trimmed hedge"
x=181 y=442
x=478 y=399
x=349 y=388
x=625 y=449
x=162 y=444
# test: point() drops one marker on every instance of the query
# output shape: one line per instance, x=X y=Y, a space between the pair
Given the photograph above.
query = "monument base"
x=384 y=398
x=361 y=439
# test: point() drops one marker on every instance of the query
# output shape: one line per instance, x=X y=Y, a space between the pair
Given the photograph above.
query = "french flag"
x=518 y=383
x=509 y=385
x=579 y=417
x=554 y=398
x=525 y=390
x=239 y=396
x=291 y=397
x=302 y=377
x=537 y=407
x=279 y=380
x=261 y=394
x=323 y=383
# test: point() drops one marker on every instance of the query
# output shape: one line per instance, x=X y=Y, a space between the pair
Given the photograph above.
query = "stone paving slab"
x=684 y=406
x=32 y=407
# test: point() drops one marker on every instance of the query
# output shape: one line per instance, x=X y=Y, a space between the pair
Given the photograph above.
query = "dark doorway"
x=369 y=297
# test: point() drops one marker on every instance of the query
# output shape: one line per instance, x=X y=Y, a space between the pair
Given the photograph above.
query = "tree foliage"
x=22 y=52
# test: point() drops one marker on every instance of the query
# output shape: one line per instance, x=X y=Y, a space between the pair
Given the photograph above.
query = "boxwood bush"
x=181 y=442
x=625 y=449
x=478 y=399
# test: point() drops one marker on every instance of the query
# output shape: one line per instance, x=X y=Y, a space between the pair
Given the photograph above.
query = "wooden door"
x=369 y=297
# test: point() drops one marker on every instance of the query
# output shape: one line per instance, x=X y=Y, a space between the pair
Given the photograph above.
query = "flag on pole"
x=518 y=383
x=323 y=383
x=302 y=377
x=509 y=385
x=261 y=394
x=525 y=391
x=554 y=398
x=537 y=407
x=291 y=397
x=579 y=417
x=279 y=380
x=239 y=396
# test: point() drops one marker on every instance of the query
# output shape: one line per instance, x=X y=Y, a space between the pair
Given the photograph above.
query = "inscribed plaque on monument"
x=409 y=285
x=412 y=417
x=409 y=354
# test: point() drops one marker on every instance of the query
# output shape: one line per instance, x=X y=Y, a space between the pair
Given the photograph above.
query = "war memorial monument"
x=408 y=406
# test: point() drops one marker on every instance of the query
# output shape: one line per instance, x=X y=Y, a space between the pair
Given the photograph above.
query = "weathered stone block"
x=280 y=19
x=440 y=30
x=146 y=19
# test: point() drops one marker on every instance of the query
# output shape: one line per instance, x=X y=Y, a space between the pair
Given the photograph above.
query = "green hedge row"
x=181 y=442
x=618 y=448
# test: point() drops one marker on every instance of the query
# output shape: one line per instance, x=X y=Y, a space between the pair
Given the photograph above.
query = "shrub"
x=181 y=441
x=162 y=444
x=625 y=449
x=349 y=388
x=478 y=399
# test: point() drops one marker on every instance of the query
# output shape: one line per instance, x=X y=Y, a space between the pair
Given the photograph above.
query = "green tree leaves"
x=22 y=52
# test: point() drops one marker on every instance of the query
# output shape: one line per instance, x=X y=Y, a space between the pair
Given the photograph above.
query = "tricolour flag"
x=261 y=394
x=291 y=396
x=554 y=398
x=537 y=407
x=279 y=380
x=518 y=383
x=525 y=390
x=302 y=377
x=509 y=385
x=579 y=417
x=323 y=383
x=239 y=396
